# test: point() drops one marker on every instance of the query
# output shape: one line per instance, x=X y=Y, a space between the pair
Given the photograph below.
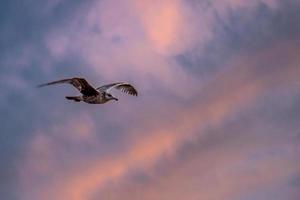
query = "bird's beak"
x=115 y=99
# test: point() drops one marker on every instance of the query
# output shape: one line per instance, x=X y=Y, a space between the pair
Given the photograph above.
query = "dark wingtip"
x=41 y=85
x=134 y=92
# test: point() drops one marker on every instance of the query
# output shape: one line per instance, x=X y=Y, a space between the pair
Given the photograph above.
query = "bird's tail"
x=77 y=99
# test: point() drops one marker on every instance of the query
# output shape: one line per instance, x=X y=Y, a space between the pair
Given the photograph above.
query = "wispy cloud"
x=229 y=93
x=229 y=133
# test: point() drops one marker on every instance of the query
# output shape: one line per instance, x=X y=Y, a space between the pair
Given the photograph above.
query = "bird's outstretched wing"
x=80 y=83
x=124 y=87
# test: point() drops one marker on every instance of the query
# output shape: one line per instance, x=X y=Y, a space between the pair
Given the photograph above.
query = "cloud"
x=229 y=93
x=138 y=40
x=178 y=127
x=135 y=54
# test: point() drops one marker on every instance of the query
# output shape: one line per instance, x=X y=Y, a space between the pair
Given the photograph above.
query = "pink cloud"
x=148 y=35
x=226 y=94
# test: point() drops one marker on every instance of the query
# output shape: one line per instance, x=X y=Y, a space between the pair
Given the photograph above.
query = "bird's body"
x=91 y=95
x=97 y=99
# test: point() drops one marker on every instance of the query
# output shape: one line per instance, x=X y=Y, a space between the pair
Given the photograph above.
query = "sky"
x=218 y=111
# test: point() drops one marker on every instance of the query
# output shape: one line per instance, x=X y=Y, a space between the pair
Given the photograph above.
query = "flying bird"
x=91 y=95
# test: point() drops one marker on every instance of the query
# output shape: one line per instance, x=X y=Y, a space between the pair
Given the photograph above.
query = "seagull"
x=91 y=95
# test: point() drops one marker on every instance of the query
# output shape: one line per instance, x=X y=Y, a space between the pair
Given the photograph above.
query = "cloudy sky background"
x=217 y=116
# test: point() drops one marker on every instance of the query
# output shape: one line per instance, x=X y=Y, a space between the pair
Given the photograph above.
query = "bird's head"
x=110 y=97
